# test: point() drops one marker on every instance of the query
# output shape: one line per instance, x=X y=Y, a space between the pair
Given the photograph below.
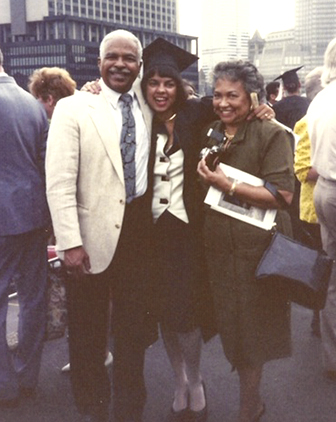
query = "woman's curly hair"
x=242 y=71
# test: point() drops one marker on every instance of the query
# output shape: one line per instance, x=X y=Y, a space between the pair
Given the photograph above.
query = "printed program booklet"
x=230 y=205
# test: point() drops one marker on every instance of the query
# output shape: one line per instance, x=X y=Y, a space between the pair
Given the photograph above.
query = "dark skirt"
x=178 y=273
x=253 y=322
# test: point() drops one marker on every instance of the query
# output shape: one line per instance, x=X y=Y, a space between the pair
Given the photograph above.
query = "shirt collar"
x=113 y=96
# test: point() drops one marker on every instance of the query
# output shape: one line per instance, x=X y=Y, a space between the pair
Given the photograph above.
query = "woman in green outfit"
x=254 y=324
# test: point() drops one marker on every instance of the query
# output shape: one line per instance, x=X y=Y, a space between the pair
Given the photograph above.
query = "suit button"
x=122 y=202
x=117 y=226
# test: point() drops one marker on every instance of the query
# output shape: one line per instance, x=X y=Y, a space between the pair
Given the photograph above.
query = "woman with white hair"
x=322 y=127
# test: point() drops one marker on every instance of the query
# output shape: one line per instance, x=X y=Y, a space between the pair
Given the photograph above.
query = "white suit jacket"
x=85 y=181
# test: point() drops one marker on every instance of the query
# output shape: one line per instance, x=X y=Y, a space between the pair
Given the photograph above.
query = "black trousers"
x=128 y=278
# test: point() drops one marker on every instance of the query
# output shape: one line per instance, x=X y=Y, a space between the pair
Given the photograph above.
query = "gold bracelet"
x=233 y=188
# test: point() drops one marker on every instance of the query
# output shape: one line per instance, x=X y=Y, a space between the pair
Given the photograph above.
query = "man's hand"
x=93 y=87
x=77 y=261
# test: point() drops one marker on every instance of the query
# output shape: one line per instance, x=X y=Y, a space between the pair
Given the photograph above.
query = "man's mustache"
x=115 y=70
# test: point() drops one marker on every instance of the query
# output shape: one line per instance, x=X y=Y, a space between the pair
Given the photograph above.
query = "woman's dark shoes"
x=180 y=415
x=260 y=413
x=200 y=415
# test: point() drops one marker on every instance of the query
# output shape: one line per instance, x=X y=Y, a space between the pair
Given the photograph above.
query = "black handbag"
x=302 y=273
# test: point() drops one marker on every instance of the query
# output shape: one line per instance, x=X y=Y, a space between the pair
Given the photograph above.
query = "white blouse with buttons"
x=168 y=182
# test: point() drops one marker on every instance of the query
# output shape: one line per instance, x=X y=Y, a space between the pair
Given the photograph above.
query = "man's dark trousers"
x=88 y=302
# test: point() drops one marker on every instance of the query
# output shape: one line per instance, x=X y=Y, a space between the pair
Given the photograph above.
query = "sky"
x=266 y=16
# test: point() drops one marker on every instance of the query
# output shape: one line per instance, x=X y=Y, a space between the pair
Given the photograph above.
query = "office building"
x=255 y=48
x=305 y=44
x=315 y=27
x=280 y=54
x=225 y=31
x=66 y=33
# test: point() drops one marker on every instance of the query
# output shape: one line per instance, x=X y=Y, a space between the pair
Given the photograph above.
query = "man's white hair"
x=120 y=33
x=329 y=70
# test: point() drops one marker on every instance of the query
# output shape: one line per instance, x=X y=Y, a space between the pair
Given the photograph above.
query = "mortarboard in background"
x=164 y=53
x=290 y=77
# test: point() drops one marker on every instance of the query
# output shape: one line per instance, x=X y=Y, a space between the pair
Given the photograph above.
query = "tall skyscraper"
x=66 y=33
x=315 y=27
x=225 y=31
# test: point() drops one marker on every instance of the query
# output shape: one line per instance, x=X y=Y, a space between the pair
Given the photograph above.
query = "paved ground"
x=294 y=389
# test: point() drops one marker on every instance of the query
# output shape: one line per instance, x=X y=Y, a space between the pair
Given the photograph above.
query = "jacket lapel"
x=105 y=125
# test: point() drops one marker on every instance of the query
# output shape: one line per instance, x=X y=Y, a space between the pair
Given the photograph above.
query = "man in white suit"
x=102 y=235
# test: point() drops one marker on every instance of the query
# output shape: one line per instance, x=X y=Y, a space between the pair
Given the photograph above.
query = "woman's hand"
x=216 y=178
x=257 y=196
x=93 y=87
x=263 y=111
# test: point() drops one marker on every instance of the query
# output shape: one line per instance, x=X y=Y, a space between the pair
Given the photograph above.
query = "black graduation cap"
x=162 y=52
x=290 y=76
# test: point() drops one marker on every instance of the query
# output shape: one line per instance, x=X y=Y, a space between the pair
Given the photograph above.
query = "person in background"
x=307 y=176
x=254 y=324
x=23 y=235
x=189 y=89
x=321 y=119
x=272 y=92
x=50 y=84
x=97 y=158
x=288 y=111
x=293 y=106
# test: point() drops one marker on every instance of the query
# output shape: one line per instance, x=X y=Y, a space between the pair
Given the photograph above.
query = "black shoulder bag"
x=301 y=272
